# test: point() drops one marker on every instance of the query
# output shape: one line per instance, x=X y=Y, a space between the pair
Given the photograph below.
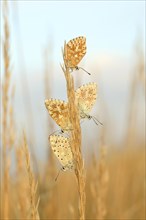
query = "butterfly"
x=58 y=110
x=62 y=149
x=85 y=97
x=74 y=52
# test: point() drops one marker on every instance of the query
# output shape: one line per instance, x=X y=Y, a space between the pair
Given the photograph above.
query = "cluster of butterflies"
x=85 y=97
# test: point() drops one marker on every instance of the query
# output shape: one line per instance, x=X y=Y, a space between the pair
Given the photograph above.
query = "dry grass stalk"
x=12 y=130
x=47 y=90
x=34 y=215
x=102 y=184
x=140 y=65
x=99 y=184
x=47 y=78
x=21 y=198
x=138 y=79
x=75 y=136
x=5 y=111
x=51 y=206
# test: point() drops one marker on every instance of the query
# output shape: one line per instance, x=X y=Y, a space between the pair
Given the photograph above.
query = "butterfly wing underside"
x=58 y=110
x=61 y=148
x=75 y=51
x=86 y=97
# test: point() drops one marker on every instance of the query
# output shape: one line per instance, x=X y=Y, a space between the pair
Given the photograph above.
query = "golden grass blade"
x=75 y=136
x=5 y=113
x=34 y=214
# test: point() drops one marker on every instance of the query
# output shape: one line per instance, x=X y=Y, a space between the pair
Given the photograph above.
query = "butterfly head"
x=89 y=117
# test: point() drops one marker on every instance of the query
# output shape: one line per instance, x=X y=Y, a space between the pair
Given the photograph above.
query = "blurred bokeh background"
x=115 y=34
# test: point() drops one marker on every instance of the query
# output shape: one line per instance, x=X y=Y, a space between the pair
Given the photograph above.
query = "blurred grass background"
x=115 y=153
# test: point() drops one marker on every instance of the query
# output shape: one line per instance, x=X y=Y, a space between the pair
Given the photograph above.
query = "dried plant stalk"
x=34 y=215
x=102 y=184
x=5 y=112
x=138 y=79
x=12 y=130
x=99 y=185
x=75 y=136
x=47 y=91
x=22 y=200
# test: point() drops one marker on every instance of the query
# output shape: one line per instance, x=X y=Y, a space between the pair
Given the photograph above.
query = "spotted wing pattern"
x=58 y=110
x=75 y=51
x=86 y=97
x=62 y=149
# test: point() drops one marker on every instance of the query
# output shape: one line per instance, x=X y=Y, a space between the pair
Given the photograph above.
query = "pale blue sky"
x=109 y=26
x=111 y=29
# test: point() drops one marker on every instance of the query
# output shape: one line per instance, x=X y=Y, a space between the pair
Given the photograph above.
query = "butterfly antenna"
x=54 y=132
x=96 y=120
x=57 y=175
x=84 y=70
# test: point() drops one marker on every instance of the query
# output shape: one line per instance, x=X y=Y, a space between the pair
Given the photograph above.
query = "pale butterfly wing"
x=62 y=149
x=58 y=110
x=86 y=97
x=75 y=51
